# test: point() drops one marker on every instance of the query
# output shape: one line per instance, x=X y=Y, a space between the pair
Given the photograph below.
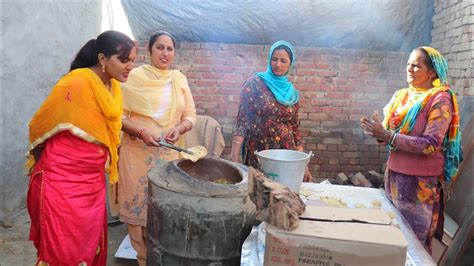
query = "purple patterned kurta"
x=419 y=198
x=265 y=123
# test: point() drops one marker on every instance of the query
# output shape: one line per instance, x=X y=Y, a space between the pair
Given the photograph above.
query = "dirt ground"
x=17 y=250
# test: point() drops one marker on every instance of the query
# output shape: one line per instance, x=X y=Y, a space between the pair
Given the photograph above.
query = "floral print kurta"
x=420 y=198
x=264 y=123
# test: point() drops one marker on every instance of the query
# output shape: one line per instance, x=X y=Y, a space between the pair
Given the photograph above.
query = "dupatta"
x=80 y=103
x=403 y=122
x=141 y=91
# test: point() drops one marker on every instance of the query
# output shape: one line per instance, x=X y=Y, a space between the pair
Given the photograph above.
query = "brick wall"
x=337 y=86
x=453 y=25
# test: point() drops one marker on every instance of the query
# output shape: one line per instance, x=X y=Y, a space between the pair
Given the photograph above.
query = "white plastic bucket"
x=284 y=166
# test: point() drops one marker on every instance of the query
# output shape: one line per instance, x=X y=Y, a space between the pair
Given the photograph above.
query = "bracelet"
x=392 y=139
x=140 y=131
x=236 y=141
x=182 y=124
x=389 y=142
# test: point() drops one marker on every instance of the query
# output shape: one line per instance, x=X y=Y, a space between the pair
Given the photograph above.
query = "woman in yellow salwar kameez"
x=72 y=137
x=158 y=105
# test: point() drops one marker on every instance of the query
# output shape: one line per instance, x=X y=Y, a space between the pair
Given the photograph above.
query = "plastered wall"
x=39 y=40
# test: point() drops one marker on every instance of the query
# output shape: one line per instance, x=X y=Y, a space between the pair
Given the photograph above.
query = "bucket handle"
x=310 y=153
x=256 y=156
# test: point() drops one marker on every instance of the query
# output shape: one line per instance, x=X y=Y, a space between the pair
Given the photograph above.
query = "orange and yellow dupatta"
x=80 y=103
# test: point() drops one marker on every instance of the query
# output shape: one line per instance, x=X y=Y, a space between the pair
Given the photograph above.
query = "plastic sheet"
x=253 y=248
x=369 y=24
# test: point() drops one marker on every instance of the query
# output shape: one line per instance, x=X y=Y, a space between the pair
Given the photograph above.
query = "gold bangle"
x=236 y=141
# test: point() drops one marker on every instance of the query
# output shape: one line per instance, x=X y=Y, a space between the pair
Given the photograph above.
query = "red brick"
x=314 y=94
x=332 y=147
x=331 y=124
x=350 y=168
x=310 y=109
x=322 y=147
x=353 y=147
x=343 y=147
x=211 y=75
x=226 y=54
x=322 y=65
x=358 y=67
x=201 y=68
x=206 y=83
x=320 y=102
x=207 y=90
x=237 y=61
x=207 y=105
x=354 y=161
x=318 y=116
x=344 y=161
x=315 y=80
x=215 y=61
x=370 y=154
x=329 y=58
x=229 y=84
x=189 y=45
x=193 y=75
x=338 y=117
x=307 y=72
x=246 y=70
x=332 y=140
x=302 y=115
x=198 y=98
x=303 y=64
x=331 y=168
x=204 y=53
x=308 y=124
x=232 y=76
x=351 y=154
x=310 y=146
x=233 y=90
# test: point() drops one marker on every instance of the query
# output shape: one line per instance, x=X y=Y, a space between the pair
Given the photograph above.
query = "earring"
x=436 y=83
x=103 y=68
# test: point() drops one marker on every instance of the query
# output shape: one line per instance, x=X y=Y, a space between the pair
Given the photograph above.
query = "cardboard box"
x=335 y=237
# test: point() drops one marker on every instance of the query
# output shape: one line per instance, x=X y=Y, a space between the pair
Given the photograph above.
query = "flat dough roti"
x=199 y=153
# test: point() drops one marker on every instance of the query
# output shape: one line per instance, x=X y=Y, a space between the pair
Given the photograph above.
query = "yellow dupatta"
x=141 y=91
x=81 y=103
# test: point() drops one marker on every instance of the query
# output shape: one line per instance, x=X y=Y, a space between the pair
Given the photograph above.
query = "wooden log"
x=342 y=179
x=354 y=181
x=362 y=180
x=275 y=203
x=376 y=178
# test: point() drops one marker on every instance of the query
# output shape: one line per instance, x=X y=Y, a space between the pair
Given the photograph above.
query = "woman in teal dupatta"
x=268 y=111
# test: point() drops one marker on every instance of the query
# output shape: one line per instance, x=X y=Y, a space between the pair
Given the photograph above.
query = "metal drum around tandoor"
x=199 y=213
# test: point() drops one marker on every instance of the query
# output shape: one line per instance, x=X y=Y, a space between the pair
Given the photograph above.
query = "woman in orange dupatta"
x=157 y=105
x=73 y=138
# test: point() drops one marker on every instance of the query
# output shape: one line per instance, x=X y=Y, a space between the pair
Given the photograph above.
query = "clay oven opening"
x=211 y=170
